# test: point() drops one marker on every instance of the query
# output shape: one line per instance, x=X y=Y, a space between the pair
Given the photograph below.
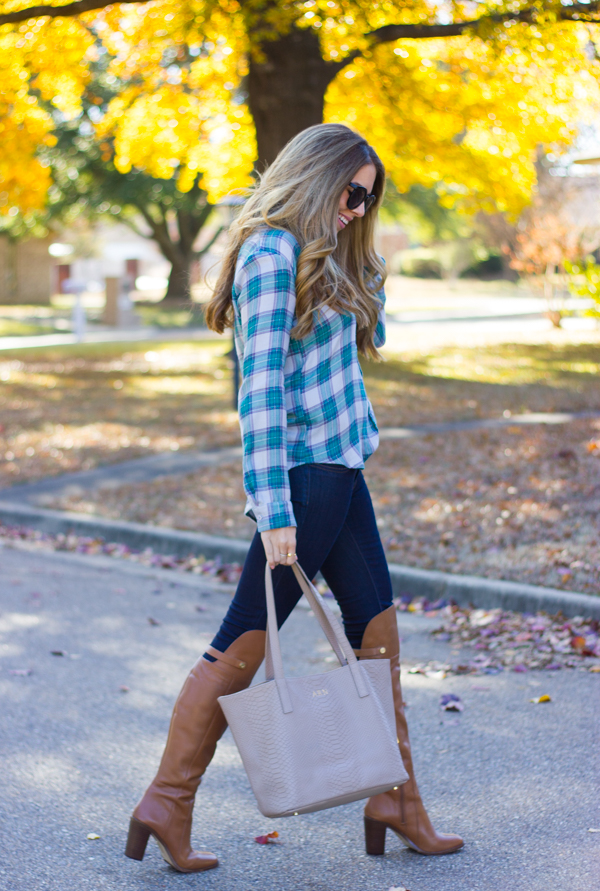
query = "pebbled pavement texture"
x=519 y=781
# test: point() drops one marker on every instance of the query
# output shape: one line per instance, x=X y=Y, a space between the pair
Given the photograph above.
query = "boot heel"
x=374 y=836
x=137 y=839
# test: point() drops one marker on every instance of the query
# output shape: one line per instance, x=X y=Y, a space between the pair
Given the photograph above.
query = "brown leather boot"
x=401 y=809
x=197 y=724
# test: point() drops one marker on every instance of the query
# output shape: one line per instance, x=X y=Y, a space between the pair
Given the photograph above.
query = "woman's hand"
x=280 y=546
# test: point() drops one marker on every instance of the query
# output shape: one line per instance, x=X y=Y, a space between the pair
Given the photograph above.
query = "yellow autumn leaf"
x=466 y=114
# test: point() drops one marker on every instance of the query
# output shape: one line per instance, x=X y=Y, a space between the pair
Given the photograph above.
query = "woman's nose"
x=360 y=210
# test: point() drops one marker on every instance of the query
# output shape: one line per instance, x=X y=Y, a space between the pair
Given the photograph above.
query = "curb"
x=135 y=535
x=491 y=593
x=480 y=592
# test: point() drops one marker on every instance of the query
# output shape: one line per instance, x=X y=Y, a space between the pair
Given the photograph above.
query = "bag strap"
x=273 y=660
x=329 y=624
x=326 y=618
x=329 y=621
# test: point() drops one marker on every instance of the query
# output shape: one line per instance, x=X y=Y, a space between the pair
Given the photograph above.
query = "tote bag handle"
x=328 y=622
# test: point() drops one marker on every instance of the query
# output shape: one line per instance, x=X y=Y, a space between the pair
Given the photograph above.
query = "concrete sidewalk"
x=518 y=780
x=105 y=335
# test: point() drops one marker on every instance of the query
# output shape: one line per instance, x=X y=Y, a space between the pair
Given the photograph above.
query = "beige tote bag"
x=315 y=742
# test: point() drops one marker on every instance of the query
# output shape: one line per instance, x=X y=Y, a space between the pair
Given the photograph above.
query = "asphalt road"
x=519 y=781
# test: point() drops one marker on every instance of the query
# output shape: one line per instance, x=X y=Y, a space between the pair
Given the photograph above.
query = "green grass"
x=14 y=328
x=159 y=316
x=508 y=364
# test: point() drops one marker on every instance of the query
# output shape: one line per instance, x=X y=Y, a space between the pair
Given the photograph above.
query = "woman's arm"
x=267 y=301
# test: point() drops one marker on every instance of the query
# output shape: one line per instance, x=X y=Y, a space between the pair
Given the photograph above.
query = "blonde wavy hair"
x=300 y=192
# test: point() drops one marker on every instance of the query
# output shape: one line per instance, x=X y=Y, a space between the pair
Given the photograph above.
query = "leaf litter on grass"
x=62 y=410
x=493 y=503
x=520 y=503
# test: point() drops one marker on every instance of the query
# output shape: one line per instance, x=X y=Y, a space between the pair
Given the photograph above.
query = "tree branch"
x=161 y=235
x=578 y=12
x=190 y=223
x=204 y=250
x=132 y=223
x=54 y=12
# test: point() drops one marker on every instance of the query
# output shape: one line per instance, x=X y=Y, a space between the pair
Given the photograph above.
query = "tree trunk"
x=180 y=277
x=286 y=90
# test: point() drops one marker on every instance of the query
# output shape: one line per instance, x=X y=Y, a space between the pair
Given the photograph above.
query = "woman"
x=302 y=287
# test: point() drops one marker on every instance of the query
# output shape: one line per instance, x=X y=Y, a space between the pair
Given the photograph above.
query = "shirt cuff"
x=272 y=514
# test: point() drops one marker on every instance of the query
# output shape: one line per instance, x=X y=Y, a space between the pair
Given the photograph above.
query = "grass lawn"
x=521 y=502
x=74 y=407
x=16 y=328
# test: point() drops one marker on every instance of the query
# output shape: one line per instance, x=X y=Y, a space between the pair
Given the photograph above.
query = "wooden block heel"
x=374 y=836
x=137 y=839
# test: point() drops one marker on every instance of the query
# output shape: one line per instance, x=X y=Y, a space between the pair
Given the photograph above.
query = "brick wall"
x=26 y=271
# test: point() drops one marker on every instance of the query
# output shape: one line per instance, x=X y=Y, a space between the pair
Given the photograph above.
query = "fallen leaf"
x=20 y=672
x=580 y=645
x=92 y=836
x=200 y=609
x=124 y=689
x=268 y=839
x=593 y=830
x=544 y=698
x=450 y=702
x=398 y=888
x=59 y=653
x=595 y=669
x=153 y=621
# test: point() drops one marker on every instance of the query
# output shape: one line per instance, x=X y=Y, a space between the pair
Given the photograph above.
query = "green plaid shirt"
x=301 y=401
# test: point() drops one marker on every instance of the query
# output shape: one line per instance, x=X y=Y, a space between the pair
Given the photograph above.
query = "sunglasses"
x=357 y=196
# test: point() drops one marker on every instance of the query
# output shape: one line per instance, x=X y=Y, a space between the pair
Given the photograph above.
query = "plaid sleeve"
x=379 y=335
x=266 y=301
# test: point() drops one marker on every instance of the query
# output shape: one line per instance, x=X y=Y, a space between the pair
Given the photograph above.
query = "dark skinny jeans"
x=336 y=534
